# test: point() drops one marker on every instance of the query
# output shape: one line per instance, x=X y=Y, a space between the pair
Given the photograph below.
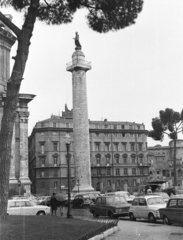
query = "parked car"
x=81 y=200
x=25 y=207
x=71 y=198
x=162 y=194
x=45 y=201
x=129 y=198
x=92 y=195
x=173 y=213
x=111 y=206
x=146 y=207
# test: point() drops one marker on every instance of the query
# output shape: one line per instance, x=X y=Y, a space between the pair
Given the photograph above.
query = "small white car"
x=26 y=207
x=146 y=207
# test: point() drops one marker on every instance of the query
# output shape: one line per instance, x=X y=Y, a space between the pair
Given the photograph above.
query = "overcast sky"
x=135 y=72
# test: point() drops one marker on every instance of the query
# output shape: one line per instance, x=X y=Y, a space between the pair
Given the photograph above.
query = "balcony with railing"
x=78 y=63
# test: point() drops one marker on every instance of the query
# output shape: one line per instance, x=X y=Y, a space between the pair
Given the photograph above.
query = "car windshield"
x=155 y=200
x=116 y=199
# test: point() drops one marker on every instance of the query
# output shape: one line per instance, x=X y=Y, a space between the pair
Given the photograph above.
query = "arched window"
x=125 y=156
x=98 y=159
x=107 y=157
x=116 y=156
x=133 y=158
x=140 y=157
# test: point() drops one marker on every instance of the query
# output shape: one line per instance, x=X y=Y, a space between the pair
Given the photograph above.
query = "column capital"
x=23 y=116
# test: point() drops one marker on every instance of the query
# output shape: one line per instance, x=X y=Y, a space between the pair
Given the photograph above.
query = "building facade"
x=118 y=155
x=161 y=158
x=19 y=149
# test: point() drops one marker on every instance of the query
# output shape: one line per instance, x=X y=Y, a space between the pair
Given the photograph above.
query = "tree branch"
x=9 y=24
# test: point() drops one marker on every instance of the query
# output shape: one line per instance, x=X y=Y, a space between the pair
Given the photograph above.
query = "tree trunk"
x=12 y=96
x=174 y=161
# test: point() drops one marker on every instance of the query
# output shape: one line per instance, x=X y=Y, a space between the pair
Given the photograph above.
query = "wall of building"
x=112 y=166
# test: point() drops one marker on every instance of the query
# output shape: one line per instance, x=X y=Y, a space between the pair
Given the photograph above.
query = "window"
x=54 y=125
x=42 y=125
x=135 y=202
x=55 y=185
x=118 y=183
x=125 y=171
x=132 y=147
x=97 y=147
x=141 y=159
x=142 y=202
x=157 y=172
x=67 y=125
x=125 y=159
x=140 y=146
x=122 y=126
x=109 y=183
x=107 y=147
x=42 y=173
x=97 y=134
x=42 y=147
x=133 y=171
x=117 y=172
x=133 y=158
x=173 y=203
x=98 y=157
x=123 y=134
x=108 y=171
x=42 y=162
x=134 y=182
x=116 y=147
x=98 y=172
x=116 y=158
x=107 y=159
x=55 y=146
x=55 y=172
x=55 y=161
x=141 y=171
x=96 y=126
x=124 y=146
x=42 y=184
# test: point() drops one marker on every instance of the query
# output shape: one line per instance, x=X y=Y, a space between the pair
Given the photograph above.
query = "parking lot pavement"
x=143 y=230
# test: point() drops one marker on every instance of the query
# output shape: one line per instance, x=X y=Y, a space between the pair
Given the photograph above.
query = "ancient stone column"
x=12 y=178
x=24 y=150
x=78 y=67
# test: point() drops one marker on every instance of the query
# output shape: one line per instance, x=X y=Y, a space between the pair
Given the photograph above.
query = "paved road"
x=139 y=230
x=143 y=230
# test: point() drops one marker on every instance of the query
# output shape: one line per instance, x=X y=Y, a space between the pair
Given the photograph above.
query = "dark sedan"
x=111 y=206
x=173 y=213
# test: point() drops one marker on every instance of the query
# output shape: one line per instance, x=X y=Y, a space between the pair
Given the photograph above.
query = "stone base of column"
x=25 y=180
x=83 y=189
x=13 y=181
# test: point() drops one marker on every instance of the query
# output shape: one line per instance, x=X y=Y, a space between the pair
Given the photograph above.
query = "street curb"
x=105 y=234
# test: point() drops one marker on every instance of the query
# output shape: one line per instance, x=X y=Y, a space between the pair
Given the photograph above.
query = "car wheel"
x=132 y=218
x=152 y=219
x=110 y=214
x=95 y=215
x=165 y=220
x=41 y=213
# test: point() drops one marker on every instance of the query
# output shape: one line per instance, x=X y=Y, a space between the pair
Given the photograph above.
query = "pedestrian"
x=53 y=204
x=149 y=191
x=61 y=205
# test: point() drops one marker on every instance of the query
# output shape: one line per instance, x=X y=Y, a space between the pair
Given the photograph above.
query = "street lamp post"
x=19 y=185
x=67 y=142
x=78 y=185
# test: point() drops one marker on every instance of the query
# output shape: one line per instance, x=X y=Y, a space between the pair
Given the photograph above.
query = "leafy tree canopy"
x=169 y=122
x=103 y=15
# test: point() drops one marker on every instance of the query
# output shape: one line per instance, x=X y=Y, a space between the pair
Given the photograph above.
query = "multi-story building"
x=118 y=155
x=161 y=158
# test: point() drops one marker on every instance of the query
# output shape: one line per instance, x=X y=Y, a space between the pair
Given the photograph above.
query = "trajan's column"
x=78 y=67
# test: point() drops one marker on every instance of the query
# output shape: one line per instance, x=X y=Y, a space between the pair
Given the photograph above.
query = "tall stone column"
x=12 y=179
x=78 y=67
x=24 y=178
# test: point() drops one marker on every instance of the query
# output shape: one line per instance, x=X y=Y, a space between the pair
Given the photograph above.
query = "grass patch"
x=45 y=227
